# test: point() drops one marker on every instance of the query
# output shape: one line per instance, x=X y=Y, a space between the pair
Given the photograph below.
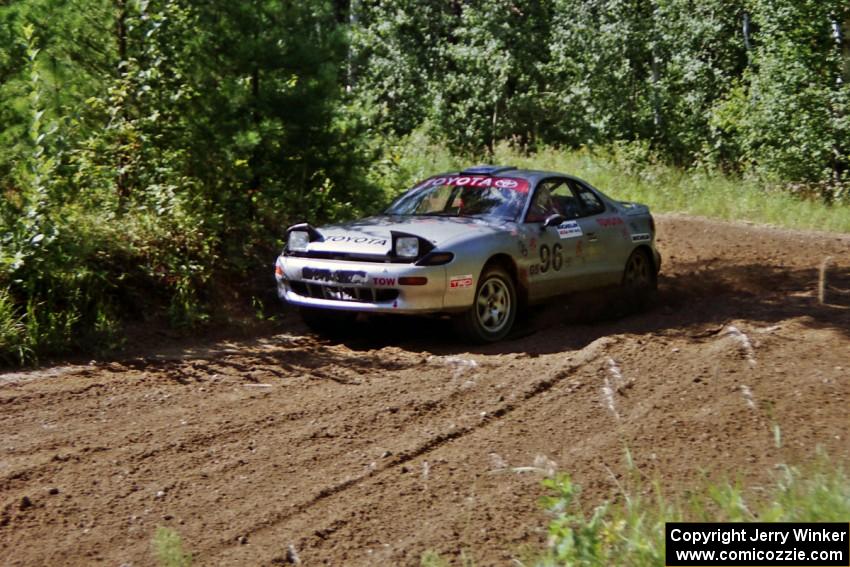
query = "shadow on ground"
x=689 y=301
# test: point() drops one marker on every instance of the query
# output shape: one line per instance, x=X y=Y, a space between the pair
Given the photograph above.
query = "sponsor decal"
x=569 y=229
x=357 y=240
x=610 y=221
x=383 y=281
x=519 y=185
x=456 y=282
x=334 y=276
x=641 y=237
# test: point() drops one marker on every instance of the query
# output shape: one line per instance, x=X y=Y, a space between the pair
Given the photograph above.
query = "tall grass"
x=630 y=172
x=634 y=176
x=13 y=340
x=631 y=533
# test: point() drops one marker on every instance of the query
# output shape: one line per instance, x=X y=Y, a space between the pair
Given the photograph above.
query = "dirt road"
x=372 y=452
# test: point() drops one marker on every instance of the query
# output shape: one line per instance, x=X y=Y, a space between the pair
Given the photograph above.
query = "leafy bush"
x=166 y=152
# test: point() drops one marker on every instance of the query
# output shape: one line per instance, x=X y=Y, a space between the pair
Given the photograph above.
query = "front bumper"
x=359 y=286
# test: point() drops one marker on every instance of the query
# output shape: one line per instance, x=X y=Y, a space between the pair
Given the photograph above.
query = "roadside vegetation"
x=630 y=530
x=152 y=151
x=632 y=172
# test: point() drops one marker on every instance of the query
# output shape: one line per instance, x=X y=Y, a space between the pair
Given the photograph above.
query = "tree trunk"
x=121 y=181
x=839 y=164
x=256 y=179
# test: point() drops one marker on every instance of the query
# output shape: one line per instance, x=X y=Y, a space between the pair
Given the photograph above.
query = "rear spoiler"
x=487 y=169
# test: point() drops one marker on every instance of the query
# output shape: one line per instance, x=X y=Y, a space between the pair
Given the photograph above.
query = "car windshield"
x=462 y=196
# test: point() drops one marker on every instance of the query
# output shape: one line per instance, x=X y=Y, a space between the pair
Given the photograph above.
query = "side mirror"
x=554 y=220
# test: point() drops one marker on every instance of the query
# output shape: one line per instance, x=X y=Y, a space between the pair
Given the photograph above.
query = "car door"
x=604 y=234
x=553 y=269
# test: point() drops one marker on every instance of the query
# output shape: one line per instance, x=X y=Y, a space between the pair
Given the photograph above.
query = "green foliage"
x=168 y=548
x=493 y=76
x=410 y=159
x=788 y=115
x=602 y=58
x=13 y=347
x=631 y=532
x=676 y=74
x=151 y=148
x=396 y=52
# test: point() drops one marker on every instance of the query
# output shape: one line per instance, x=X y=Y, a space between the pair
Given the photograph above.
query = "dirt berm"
x=373 y=451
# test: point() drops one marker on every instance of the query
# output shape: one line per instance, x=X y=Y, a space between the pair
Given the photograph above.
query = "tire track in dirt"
x=64 y=452
x=154 y=373
x=586 y=355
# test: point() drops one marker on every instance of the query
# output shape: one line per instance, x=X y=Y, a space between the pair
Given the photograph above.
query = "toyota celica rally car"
x=477 y=244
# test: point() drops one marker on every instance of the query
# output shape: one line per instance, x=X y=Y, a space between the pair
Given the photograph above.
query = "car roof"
x=530 y=175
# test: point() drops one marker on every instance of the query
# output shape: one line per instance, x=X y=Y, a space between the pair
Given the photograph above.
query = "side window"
x=590 y=203
x=542 y=204
x=553 y=196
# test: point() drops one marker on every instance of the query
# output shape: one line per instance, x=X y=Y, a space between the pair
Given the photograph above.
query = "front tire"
x=493 y=310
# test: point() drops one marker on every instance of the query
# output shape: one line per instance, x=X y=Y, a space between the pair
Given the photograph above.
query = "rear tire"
x=329 y=323
x=493 y=310
x=640 y=282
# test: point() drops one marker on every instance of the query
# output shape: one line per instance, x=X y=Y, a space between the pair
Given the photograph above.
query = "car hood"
x=373 y=235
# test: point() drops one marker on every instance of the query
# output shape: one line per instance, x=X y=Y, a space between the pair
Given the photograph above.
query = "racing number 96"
x=553 y=257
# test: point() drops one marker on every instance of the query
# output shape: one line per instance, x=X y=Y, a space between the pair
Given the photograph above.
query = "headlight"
x=298 y=240
x=407 y=247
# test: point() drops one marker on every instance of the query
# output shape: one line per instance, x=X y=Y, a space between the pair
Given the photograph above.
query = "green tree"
x=789 y=117
x=491 y=88
x=397 y=55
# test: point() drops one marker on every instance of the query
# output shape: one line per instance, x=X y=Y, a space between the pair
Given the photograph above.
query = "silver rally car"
x=478 y=244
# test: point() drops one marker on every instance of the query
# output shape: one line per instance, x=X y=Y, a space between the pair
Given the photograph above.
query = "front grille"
x=334 y=276
x=343 y=293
